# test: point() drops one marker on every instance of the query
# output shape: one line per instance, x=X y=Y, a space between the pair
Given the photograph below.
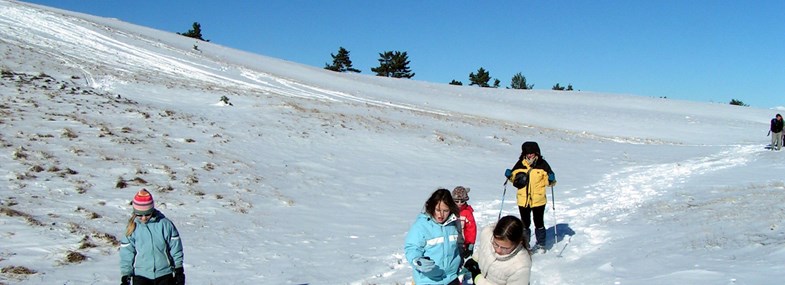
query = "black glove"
x=472 y=266
x=467 y=251
x=179 y=276
x=125 y=280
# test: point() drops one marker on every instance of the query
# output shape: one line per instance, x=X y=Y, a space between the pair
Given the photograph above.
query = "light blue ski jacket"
x=152 y=250
x=440 y=243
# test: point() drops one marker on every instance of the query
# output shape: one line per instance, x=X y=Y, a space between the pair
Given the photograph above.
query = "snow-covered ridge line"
x=67 y=41
x=314 y=177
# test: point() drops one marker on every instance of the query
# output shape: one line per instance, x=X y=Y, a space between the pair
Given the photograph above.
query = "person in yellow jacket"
x=531 y=175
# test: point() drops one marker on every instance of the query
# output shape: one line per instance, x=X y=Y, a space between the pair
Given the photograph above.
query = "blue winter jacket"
x=440 y=243
x=152 y=250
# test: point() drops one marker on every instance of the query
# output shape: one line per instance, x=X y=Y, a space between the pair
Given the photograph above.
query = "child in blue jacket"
x=433 y=243
x=150 y=250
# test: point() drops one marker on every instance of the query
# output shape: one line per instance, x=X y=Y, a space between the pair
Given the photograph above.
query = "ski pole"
x=502 y=205
x=555 y=223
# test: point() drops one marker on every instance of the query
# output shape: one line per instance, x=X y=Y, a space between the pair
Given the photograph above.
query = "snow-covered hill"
x=312 y=176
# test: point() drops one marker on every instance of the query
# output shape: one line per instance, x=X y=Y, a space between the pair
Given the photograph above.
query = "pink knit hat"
x=143 y=203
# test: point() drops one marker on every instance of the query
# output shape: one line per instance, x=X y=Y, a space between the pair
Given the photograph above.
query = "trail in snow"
x=624 y=190
x=616 y=196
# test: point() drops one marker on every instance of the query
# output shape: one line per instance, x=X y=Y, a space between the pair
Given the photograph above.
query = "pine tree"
x=341 y=62
x=557 y=87
x=519 y=82
x=393 y=64
x=738 y=103
x=569 y=87
x=385 y=65
x=195 y=33
x=480 y=79
x=401 y=65
x=456 y=82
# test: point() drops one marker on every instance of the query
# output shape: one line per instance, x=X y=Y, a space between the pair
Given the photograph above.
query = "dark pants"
x=163 y=280
x=537 y=214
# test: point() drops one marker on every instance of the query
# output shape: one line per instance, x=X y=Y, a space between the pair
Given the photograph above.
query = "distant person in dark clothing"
x=776 y=133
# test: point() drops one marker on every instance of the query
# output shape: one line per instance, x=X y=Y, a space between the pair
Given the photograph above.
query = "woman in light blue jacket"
x=150 y=250
x=432 y=245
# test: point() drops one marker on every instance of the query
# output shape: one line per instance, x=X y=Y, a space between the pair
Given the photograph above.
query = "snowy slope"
x=315 y=176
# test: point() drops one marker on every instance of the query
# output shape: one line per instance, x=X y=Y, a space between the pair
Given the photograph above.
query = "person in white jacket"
x=500 y=255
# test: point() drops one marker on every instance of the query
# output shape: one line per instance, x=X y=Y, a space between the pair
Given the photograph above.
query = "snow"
x=312 y=176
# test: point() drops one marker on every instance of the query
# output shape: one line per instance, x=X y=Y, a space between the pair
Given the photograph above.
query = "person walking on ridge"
x=776 y=132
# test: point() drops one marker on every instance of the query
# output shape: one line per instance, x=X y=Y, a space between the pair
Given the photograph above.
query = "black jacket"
x=776 y=125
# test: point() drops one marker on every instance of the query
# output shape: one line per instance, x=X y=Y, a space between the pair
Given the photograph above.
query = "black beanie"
x=530 y=147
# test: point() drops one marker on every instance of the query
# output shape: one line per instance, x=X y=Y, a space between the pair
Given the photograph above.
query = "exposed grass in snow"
x=315 y=176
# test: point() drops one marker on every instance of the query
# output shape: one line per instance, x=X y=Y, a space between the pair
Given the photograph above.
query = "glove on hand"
x=552 y=183
x=508 y=173
x=125 y=280
x=179 y=276
x=473 y=267
x=424 y=264
x=467 y=250
x=474 y=278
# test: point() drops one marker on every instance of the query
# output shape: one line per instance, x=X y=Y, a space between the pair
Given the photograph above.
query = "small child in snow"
x=468 y=227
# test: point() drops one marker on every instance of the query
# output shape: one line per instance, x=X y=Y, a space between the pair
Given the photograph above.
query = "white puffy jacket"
x=513 y=268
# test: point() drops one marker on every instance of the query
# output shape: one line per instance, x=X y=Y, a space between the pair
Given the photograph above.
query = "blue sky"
x=708 y=51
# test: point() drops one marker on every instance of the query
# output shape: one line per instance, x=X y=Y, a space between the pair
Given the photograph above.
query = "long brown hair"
x=441 y=195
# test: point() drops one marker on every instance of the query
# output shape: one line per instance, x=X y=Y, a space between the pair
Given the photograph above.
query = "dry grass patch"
x=14 y=213
x=36 y=168
x=86 y=243
x=120 y=183
x=191 y=180
x=108 y=238
x=25 y=176
x=139 y=180
x=19 y=270
x=90 y=214
x=19 y=153
x=67 y=171
x=74 y=257
x=167 y=188
x=68 y=133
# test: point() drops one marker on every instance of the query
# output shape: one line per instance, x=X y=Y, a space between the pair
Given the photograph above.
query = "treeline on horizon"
x=396 y=64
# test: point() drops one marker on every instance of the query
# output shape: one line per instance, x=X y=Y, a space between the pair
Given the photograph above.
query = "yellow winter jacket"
x=532 y=195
